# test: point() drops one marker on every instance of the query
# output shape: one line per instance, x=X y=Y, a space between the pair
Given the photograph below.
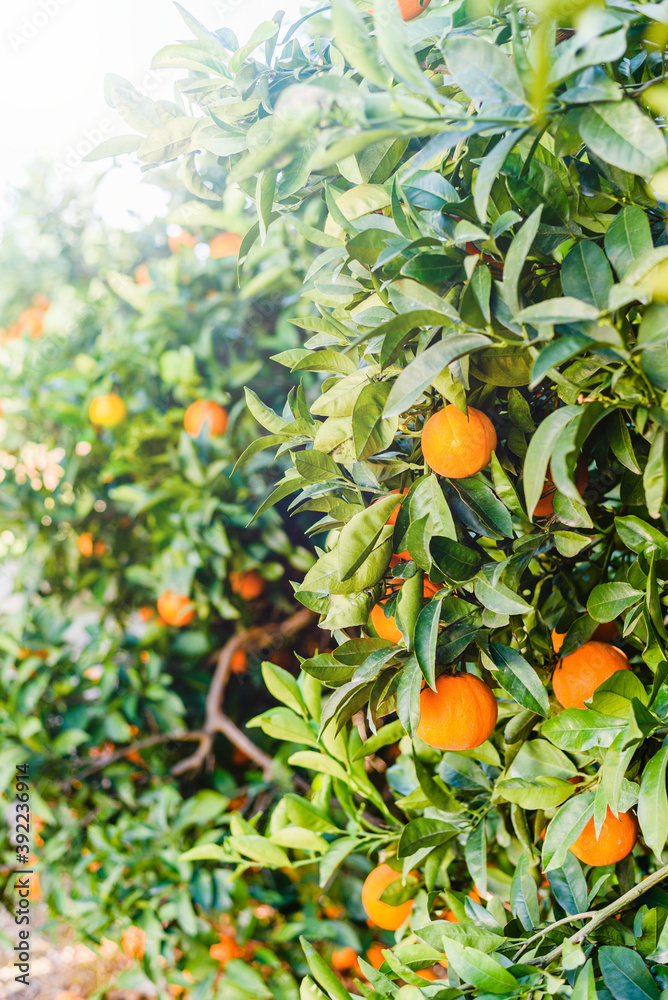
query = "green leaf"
x=284 y=687
x=205 y=852
x=392 y=39
x=540 y=450
x=620 y=134
x=628 y=237
x=489 y=168
x=541 y=792
x=519 y=679
x=408 y=695
x=504 y=488
x=475 y=855
x=580 y=729
x=639 y=536
x=115 y=146
x=523 y=895
x=586 y=274
x=313 y=761
x=483 y=71
x=420 y=373
x=456 y=561
x=257 y=848
x=372 y=432
x=569 y=885
x=426 y=635
x=620 y=442
x=564 y=829
x=397 y=331
x=283 y=724
x=561 y=349
x=359 y=536
x=608 y=601
x=168 y=141
x=585 y=984
x=516 y=258
x=653 y=802
x=391 y=732
x=423 y=832
x=656 y=474
x=499 y=598
x=322 y=973
x=478 y=969
x=558 y=310
x=315 y=466
x=626 y=975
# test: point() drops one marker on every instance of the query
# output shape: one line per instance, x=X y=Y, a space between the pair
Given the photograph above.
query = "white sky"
x=54 y=55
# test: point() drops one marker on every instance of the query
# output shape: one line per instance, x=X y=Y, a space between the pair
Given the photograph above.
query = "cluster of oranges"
x=222 y=245
x=204 y=416
x=30 y=322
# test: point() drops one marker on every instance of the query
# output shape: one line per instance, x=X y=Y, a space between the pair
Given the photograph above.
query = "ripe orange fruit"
x=205 y=412
x=99 y=549
x=107 y=411
x=457 y=446
x=605 y=632
x=247 y=584
x=392 y=519
x=382 y=914
x=577 y=675
x=374 y=955
x=226 y=949
x=459 y=715
x=175 y=609
x=410 y=9
x=544 y=507
x=239 y=661
x=85 y=544
x=386 y=628
x=133 y=942
x=31 y=321
x=344 y=959
x=142 y=276
x=224 y=245
x=182 y=240
x=146 y=612
x=426 y=974
x=617 y=839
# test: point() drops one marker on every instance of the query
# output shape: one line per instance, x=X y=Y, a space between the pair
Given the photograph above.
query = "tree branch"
x=252 y=639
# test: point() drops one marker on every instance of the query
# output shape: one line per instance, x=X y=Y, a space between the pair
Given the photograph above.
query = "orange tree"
x=122 y=362
x=486 y=462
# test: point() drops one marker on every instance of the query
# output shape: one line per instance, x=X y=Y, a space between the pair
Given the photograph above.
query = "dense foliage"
x=97 y=692
x=485 y=187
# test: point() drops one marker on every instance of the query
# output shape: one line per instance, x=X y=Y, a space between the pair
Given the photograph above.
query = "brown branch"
x=252 y=639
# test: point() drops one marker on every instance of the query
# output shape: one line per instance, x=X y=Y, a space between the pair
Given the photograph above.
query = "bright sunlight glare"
x=73 y=44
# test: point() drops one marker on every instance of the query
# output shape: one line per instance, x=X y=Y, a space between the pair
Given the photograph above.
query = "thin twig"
x=216 y=721
x=150 y=741
x=602 y=915
x=547 y=930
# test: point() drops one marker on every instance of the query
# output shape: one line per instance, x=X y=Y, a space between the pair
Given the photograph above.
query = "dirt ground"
x=61 y=968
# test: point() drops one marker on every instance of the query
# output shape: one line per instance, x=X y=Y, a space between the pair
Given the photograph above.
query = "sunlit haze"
x=72 y=44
